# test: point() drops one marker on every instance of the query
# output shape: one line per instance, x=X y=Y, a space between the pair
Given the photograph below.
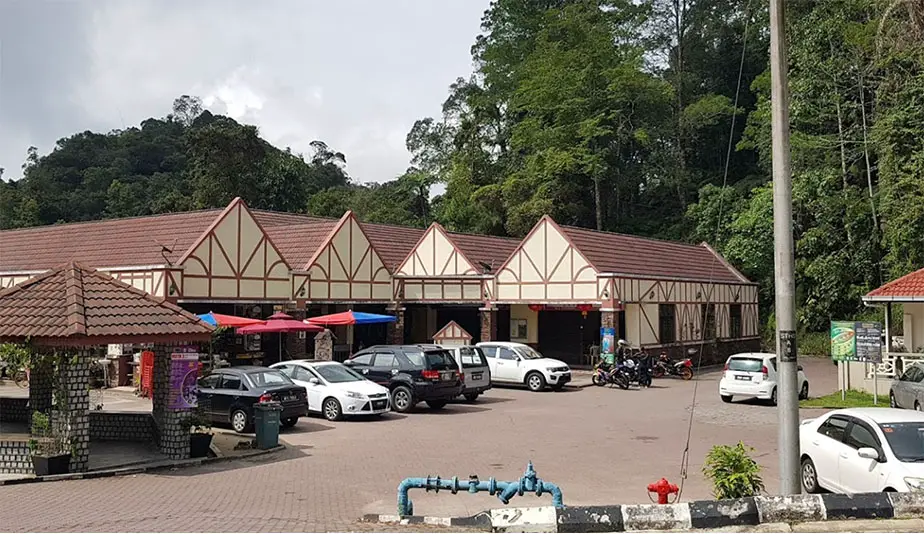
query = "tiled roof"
x=639 y=256
x=487 y=249
x=108 y=243
x=74 y=304
x=393 y=243
x=298 y=242
x=908 y=286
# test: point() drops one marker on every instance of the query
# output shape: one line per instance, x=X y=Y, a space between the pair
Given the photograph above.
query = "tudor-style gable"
x=436 y=255
x=234 y=259
x=346 y=267
x=547 y=267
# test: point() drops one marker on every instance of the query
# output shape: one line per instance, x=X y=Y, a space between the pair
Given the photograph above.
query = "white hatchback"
x=754 y=374
x=863 y=450
x=335 y=390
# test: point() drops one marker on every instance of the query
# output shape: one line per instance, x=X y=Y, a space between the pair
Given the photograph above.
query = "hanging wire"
x=685 y=458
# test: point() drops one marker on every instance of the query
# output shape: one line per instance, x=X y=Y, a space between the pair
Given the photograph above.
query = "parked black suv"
x=413 y=373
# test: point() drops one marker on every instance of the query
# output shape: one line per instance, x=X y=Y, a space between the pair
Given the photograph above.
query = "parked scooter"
x=667 y=366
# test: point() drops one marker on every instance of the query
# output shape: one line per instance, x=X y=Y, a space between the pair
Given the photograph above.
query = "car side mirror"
x=868 y=453
x=800 y=368
x=348 y=362
x=314 y=381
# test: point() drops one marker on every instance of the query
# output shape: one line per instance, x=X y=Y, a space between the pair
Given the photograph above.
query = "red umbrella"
x=279 y=323
x=219 y=319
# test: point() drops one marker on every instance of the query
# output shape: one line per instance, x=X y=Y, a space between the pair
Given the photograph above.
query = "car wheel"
x=809 y=476
x=436 y=405
x=773 y=398
x=803 y=393
x=289 y=422
x=331 y=409
x=471 y=397
x=240 y=421
x=726 y=398
x=401 y=399
x=535 y=381
x=892 y=402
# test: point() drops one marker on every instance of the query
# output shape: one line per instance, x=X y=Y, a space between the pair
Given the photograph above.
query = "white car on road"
x=516 y=363
x=863 y=450
x=335 y=390
x=754 y=374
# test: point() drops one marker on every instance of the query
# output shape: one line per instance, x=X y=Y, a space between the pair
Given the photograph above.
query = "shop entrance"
x=568 y=335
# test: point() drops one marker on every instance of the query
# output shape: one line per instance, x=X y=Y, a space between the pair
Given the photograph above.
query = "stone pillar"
x=395 y=334
x=172 y=435
x=41 y=384
x=488 y=323
x=73 y=415
x=324 y=345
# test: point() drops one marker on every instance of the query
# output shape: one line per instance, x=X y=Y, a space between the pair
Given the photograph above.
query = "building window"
x=708 y=320
x=734 y=321
x=518 y=329
x=667 y=323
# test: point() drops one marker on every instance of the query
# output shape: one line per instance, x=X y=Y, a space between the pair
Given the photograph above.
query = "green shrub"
x=734 y=474
x=814 y=344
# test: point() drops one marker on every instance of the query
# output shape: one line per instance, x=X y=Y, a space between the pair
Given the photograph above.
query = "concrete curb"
x=734 y=514
x=137 y=469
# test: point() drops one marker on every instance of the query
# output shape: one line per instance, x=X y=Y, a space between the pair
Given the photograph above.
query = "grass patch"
x=853 y=399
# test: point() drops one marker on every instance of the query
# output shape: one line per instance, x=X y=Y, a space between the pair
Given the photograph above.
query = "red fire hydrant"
x=663 y=488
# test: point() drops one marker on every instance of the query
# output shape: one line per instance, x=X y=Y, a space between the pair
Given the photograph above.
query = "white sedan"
x=335 y=390
x=863 y=450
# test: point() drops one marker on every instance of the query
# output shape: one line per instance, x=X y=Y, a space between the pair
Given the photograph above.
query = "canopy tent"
x=221 y=320
x=350 y=317
x=279 y=323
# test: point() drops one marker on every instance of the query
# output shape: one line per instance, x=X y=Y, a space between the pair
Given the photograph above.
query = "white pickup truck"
x=516 y=363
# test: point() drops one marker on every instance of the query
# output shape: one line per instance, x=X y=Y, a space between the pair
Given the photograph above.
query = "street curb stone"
x=760 y=513
x=137 y=469
x=724 y=513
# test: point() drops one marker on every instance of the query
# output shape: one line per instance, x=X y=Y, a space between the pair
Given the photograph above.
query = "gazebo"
x=70 y=311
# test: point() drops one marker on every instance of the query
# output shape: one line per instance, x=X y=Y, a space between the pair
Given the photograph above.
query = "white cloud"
x=355 y=74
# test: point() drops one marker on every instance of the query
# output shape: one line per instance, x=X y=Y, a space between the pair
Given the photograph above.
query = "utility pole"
x=784 y=260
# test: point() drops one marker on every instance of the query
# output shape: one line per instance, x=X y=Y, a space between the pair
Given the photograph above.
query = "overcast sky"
x=355 y=74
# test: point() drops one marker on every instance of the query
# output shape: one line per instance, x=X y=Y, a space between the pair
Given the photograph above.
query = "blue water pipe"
x=505 y=491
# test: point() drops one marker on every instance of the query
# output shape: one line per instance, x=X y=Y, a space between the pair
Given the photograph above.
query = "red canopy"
x=279 y=322
x=220 y=319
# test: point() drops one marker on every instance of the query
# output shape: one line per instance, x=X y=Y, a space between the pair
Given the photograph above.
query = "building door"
x=561 y=335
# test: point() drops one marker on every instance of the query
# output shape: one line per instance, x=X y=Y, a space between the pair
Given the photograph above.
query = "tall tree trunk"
x=842 y=142
x=869 y=174
x=598 y=202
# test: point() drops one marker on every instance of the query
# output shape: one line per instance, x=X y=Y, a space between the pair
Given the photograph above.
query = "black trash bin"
x=266 y=417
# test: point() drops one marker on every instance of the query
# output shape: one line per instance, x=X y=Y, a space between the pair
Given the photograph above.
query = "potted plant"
x=51 y=450
x=200 y=433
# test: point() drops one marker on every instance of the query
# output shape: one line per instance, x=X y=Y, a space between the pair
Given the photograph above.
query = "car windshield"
x=750 y=365
x=270 y=377
x=336 y=374
x=906 y=440
x=472 y=357
x=528 y=353
x=440 y=360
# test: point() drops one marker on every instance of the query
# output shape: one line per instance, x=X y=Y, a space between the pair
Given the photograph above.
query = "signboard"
x=856 y=341
x=608 y=343
x=184 y=376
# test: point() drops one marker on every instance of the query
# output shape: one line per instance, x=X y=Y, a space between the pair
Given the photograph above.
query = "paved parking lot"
x=601 y=446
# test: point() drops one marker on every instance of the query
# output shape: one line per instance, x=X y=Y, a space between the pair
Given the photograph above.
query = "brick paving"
x=601 y=446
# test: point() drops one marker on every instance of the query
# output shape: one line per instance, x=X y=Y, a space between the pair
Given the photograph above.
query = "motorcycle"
x=667 y=366
x=611 y=374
